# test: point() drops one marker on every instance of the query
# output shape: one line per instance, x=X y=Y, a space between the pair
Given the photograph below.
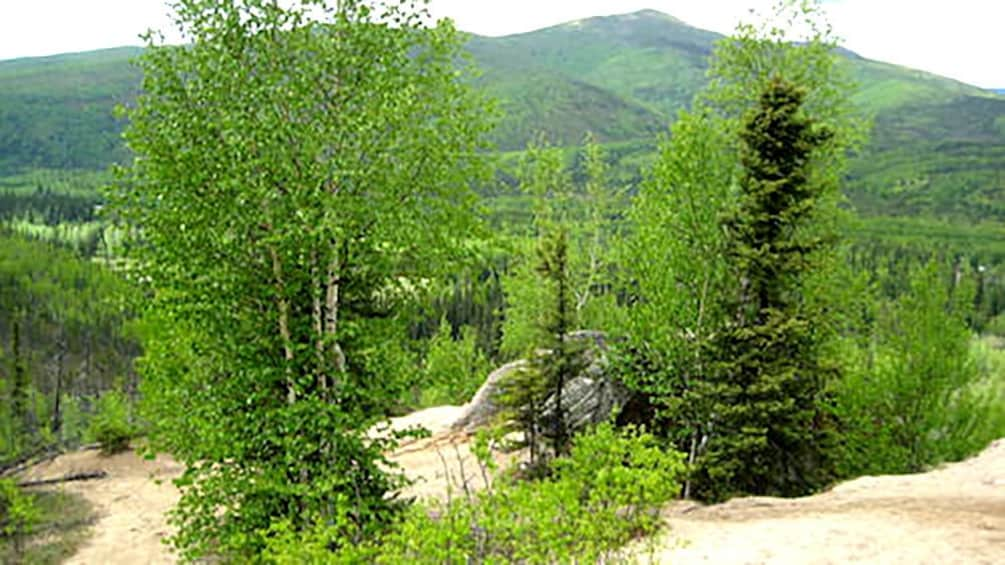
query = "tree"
x=683 y=282
x=545 y=309
x=299 y=171
x=559 y=362
x=917 y=395
x=769 y=430
x=675 y=261
x=592 y=261
x=544 y=180
x=454 y=368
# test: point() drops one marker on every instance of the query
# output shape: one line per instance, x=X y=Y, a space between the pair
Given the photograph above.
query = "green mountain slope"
x=649 y=57
x=937 y=147
x=56 y=112
x=565 y=108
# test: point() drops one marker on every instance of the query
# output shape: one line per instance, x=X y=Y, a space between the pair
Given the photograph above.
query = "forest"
x=313 y=227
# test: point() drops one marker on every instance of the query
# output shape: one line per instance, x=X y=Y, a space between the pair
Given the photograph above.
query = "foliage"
x=768 y=431
x=18 y=514
x=568 y=269
x=739 y=213
x=674 y=259
x=454 y=369
x=592 y=268
x=63 y=326
x=608 y=490
x=280 y=221
x=58 y=524
x=558 y=363
x=915 y=394
x=544 y=179
x=111 y=425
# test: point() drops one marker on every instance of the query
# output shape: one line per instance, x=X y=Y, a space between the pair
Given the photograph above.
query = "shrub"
x=110 y=426
x=454 y=368
x=606 y=491
x=18 y=514
x=918 y=395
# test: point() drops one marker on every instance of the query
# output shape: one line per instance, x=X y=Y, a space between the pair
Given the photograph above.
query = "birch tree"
x=300 y=168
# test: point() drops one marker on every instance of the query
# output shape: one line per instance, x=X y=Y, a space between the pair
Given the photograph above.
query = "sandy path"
x=130 y=505
x=442 y=465
x=955 y=514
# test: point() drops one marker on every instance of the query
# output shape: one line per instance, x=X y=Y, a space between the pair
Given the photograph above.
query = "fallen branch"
x=65 y=479
x=41 y=455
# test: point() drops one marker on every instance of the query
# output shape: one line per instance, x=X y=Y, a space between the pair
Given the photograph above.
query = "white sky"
x=961 y=39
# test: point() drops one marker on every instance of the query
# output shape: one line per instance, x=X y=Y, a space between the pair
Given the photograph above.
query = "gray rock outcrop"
x=588 y=398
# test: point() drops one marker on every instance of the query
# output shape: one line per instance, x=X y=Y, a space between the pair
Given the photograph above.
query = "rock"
x=589 y=398
x=587 y=401
x=483 y=409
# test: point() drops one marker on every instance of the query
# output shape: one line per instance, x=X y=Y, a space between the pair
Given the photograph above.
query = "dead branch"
x=42 y=455
x=90 y=475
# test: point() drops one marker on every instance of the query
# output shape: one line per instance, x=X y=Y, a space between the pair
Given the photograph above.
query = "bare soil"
x=955 y=514
x=130 y=503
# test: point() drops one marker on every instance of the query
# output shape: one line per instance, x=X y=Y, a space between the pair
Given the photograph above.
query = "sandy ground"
x=955 y=514
x=442 y=465
x=130 y=504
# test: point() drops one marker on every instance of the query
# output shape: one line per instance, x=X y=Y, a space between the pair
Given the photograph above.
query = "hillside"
x=937 y=147
x=57 y=112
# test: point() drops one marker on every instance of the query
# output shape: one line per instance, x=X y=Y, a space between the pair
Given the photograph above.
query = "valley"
x=616 y=289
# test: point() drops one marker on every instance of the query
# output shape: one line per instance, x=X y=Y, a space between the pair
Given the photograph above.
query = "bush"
x=454 y=368
x=918 y=395
x=111 y=425
x=18 y=514
x=607 y=491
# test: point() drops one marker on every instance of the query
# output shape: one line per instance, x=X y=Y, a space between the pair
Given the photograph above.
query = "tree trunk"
x=283 y=305
x=317 y=319
x=57 y=416
x=332 y=297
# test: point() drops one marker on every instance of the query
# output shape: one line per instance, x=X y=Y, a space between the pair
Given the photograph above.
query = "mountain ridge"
x=623 y=77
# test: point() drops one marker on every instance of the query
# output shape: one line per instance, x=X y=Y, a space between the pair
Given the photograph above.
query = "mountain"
x=57 y=112
x=938 y=145
x=997 y=90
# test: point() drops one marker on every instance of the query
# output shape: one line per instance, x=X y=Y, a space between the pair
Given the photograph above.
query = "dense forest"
x=318 y=223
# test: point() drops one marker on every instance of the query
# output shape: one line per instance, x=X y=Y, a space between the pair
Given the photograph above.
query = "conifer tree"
x=769 y=431
x=542 y=324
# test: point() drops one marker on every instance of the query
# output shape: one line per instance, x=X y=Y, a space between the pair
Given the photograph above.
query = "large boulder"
x=483 y=408
x=588 y=398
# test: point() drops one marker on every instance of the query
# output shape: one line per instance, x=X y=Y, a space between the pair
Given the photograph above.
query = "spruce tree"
x=769 y=432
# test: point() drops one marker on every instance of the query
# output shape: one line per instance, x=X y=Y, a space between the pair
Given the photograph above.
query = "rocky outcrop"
x=589 y=398
x=483 y=408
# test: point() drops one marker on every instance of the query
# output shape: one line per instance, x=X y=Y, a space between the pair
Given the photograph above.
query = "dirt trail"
x=955 y=514
x=129 y=502
x=442 y=465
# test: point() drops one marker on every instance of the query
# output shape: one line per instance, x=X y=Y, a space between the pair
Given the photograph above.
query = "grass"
x=64 y=527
